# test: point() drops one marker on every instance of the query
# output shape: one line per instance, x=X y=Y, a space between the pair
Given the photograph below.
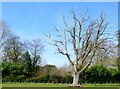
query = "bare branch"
x=86 y=37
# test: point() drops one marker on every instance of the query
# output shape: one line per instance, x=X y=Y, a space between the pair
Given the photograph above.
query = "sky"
x=31 y=20
x=60 y=0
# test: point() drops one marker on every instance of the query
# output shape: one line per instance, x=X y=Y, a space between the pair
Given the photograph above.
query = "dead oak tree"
x=86 y=37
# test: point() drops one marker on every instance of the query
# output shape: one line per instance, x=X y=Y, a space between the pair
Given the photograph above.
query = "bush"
x=50 y=79
x=12 y=72
x=98 y=74
x=68 y=79
x=117 y=76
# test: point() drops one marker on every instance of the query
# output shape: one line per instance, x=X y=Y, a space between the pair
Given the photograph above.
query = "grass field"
x=54 y=85
x=33 y=85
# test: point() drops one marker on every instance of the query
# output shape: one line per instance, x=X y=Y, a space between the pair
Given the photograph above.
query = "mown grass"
x=33 y=85
x=9 y=84
x=103 y=85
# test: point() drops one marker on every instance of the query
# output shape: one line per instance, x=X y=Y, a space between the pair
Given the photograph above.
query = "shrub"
x=98 y=74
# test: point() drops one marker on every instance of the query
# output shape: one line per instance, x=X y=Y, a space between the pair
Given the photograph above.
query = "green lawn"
x=54 y=85
x=33 y=85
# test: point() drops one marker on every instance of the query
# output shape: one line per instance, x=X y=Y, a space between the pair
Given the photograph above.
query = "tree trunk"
x=75 y=80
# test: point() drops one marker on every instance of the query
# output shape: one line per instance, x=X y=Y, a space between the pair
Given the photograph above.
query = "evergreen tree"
x=28 y=64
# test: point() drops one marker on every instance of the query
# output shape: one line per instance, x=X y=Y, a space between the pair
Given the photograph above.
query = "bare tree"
x=4 y=32
x=86 y=37
x=35 y=47
x=106 y=57
x=64 y=70
x=118 y=59
x=119 y=39
x=12 y=49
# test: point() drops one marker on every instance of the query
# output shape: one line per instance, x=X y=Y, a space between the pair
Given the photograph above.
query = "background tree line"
x=17 y=55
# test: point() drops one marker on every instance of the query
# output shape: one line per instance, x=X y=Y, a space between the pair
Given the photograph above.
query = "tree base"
x=79 y=85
